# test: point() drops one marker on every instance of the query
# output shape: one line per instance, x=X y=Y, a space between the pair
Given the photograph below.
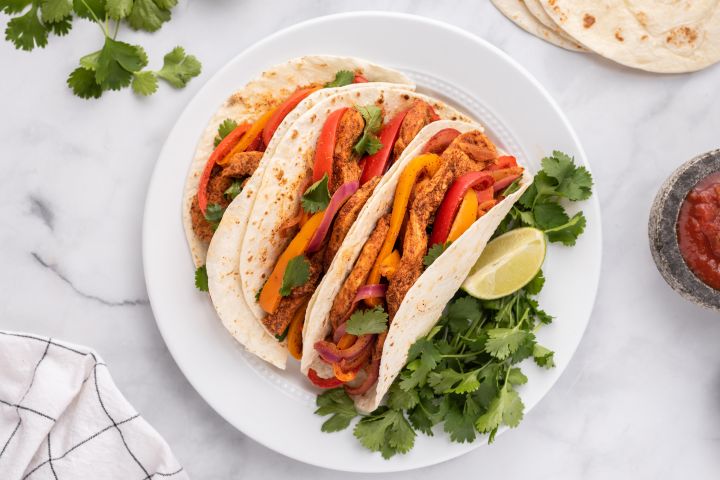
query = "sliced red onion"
x=505 y=182
x=339 y=332
x=373 y=372
x=330 y=353
x=375 y=290
x=337 y=200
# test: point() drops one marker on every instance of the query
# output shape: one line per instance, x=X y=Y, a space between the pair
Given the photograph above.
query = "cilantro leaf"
x=317 y=197
x=117 y=62
x=119 y=9
x=13 y=6
x=536 y=284
x=450 y=381
x=234 y=190
x=27 y=31
x=337 y=403
x=506 y=408
x=569 y=232
x=61 y=27
x=55 y=10
x=462 y=312
x=214 y=213
x=144 y=83
x=224 y=129
x=460 y=420
x=369 y=143
x=179 y=68
x=516 y=377
x=399 y=399
x=423 y=358
x=296 y=274
x=201 y=279
x=342 y=78
x=148 y=15
x=363 y=322
x=573 y=183
x=434 y=252
x=83 y=84
x=386 y=431
x=543 y=357
x=504 y=341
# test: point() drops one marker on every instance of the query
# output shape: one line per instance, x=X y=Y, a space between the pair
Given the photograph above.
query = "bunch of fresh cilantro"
x=464 y=373
x=117 y=64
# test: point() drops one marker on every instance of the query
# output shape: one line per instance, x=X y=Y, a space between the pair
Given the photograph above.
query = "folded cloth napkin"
x=62 y=417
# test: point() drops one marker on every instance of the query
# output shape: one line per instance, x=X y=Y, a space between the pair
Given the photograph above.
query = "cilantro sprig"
x=117 y=64
x=541 y=206
x=342 y=78
x=369 y=143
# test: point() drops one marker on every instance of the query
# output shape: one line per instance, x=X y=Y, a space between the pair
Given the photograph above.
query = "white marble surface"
x=641 y=400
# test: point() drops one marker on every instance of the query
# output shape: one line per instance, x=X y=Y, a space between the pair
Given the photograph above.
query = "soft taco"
x=247 y=128
x=316 y=183
x=412 y=246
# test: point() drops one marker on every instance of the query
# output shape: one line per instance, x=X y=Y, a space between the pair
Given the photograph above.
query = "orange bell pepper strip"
x=270 y=293
x=283 y=109
x=343 y=376
x=389 y=264
x=220 y=152
x=249 y=138
x=467 y=214
x=346 y=341
x=429 y=163
x=294 y=335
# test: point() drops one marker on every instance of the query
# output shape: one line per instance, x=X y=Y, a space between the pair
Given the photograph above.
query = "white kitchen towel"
x=62 y=417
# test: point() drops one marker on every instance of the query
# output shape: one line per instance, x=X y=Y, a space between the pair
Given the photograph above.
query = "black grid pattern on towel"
x=113 y=425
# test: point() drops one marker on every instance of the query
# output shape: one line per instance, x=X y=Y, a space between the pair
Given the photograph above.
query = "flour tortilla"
x=537 y=11
x=288 y=174
x=426 y=299
x=518 y=12
x=257 y=97
x=657 y=36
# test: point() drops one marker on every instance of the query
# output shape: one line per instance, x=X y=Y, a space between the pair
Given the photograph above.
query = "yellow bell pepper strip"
x=346 y=341
x=294 y=335
x=249 y=138
x=270 y=293
x=429 y=163
x=389 y=264
x=467 y=214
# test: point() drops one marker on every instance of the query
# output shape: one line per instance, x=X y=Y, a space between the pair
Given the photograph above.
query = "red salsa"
x=698 y=230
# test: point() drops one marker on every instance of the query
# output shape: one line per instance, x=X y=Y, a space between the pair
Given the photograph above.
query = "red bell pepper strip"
x=439 y=142
x=326 y=146
x=506 y=161
x=377 y=163
x=281 y=112
x=220 y=151
x=318 y=381
x=451 y=203
x=360 y=79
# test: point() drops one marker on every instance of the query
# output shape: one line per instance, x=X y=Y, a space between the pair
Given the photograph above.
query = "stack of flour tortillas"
x=665 y=36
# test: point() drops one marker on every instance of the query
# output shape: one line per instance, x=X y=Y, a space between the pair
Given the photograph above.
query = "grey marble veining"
x=641 y=399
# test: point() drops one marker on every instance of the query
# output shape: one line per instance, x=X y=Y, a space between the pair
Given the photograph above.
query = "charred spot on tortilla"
x=294 y=134
x=618 y=35
x=588 y=20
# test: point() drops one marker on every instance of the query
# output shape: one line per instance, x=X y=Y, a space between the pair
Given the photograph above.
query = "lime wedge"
x=507 y=264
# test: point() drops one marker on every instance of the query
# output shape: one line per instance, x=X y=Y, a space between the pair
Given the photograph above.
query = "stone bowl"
x=662 y=230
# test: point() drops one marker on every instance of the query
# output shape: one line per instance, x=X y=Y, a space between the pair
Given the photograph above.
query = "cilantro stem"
x=95 y=17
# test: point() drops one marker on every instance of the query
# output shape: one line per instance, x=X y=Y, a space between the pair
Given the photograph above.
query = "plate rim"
x=594 y=200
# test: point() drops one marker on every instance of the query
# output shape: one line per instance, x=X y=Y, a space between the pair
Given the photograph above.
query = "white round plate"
x=276 y=408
